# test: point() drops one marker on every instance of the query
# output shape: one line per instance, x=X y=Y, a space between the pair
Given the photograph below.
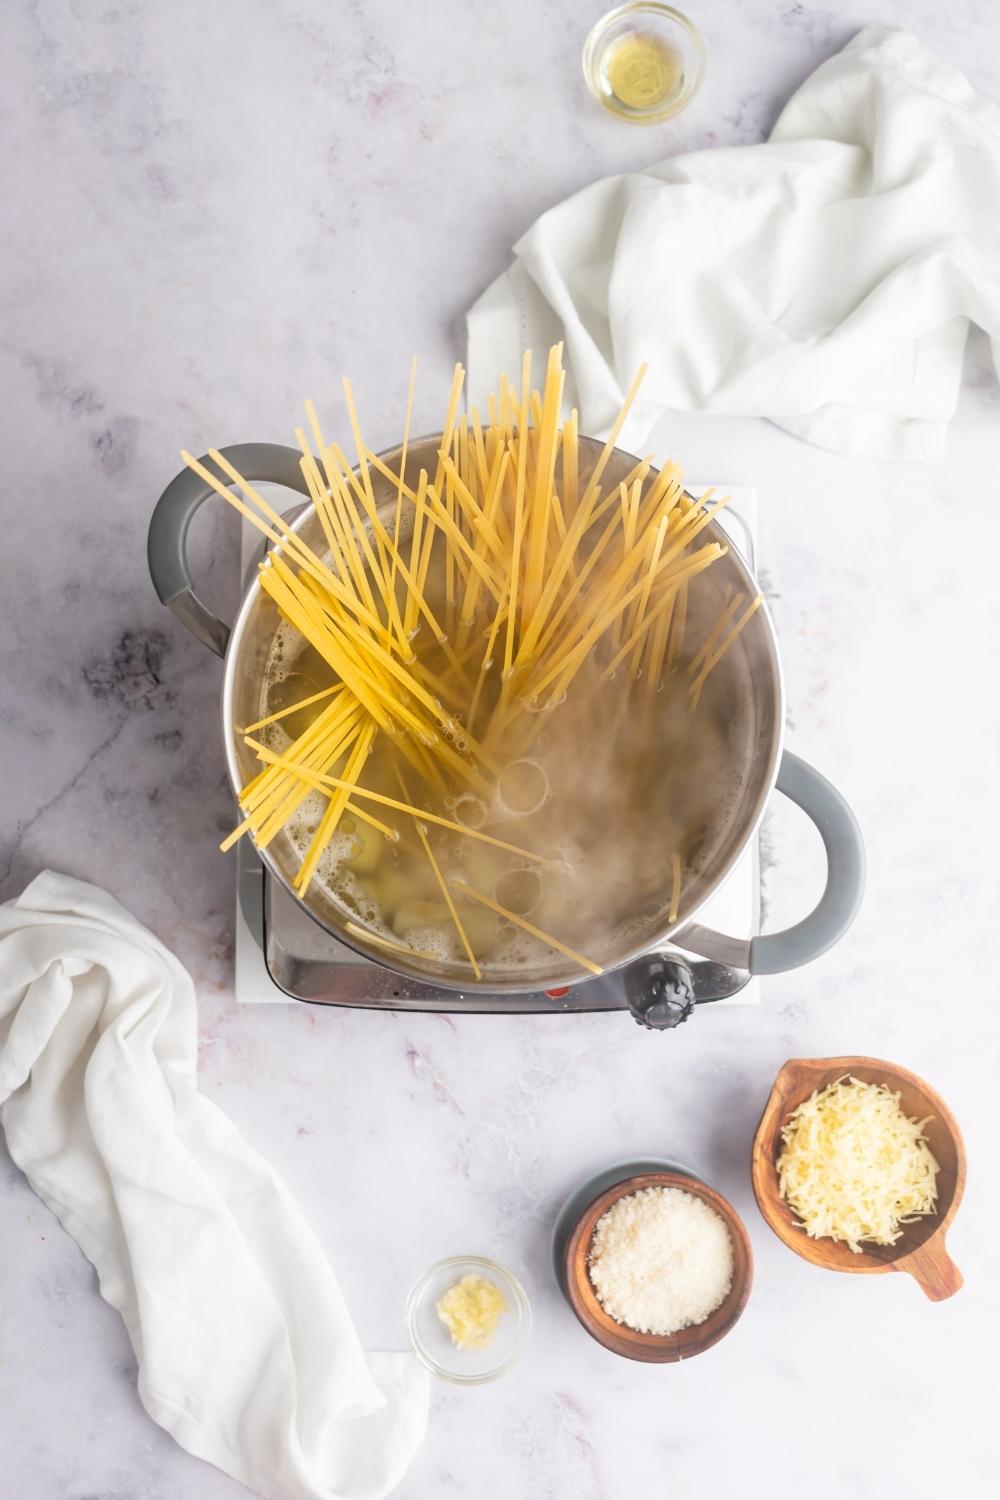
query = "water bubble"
x=470 y=810
x=520 y=891
x=523 y=786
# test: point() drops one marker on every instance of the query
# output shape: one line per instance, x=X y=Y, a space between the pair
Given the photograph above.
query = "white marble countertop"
x=215 y=211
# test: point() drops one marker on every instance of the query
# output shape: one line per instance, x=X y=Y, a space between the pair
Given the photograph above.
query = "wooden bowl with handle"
x=655 y=1348
x=920 y=1249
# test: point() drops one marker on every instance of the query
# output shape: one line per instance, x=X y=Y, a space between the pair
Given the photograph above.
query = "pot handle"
x=776 y=952
x=166 y=544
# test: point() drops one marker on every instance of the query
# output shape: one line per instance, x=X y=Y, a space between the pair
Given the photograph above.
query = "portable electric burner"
x=283 y=954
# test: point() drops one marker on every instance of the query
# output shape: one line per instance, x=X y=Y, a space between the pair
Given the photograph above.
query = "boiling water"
x=606 y=788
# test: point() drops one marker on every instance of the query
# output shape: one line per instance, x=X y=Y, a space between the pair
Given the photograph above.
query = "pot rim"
x=672 y=932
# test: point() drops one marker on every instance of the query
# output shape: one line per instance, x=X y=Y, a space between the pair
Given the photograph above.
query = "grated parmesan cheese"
x=661 y=1260
x=853 y=1167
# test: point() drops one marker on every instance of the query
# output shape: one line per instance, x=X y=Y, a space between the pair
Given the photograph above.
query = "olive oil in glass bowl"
x=644 y=62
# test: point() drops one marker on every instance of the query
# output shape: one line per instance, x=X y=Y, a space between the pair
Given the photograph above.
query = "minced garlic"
x=471 y=1310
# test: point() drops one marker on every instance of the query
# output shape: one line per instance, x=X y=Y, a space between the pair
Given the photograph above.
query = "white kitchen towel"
x=247 y=1354
x=825 y=279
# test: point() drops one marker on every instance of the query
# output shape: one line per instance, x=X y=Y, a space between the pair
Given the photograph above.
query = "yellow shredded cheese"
x=853 y=1167
x=471 y=1310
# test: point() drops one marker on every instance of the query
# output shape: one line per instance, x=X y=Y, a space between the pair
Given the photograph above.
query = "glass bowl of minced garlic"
x=468 y=1319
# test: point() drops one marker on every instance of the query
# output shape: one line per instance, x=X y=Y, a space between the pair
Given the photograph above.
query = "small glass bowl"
x=431 y=1340
x=660 y=23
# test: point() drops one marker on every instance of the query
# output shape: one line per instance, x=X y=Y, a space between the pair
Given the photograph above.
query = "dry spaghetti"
x=497 y=608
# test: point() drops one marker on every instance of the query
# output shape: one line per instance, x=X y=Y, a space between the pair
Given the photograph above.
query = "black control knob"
x=660 y=992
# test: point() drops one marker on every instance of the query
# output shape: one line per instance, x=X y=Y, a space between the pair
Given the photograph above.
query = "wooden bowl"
x=655 y=1348
x=920 y=1250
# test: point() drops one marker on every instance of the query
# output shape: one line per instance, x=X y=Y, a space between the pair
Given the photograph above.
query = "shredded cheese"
x=853 y=1167
x=471 y=1310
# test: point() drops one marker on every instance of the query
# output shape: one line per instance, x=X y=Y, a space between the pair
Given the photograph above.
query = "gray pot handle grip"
x=166 y=544
x=774 y=952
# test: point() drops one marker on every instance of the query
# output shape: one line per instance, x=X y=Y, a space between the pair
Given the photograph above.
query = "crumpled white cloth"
x=825 y=279
x=247 y=1354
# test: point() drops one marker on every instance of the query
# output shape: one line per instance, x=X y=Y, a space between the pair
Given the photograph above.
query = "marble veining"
x=213 y=212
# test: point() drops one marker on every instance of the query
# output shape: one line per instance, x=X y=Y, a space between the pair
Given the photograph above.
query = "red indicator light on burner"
x=558 y=994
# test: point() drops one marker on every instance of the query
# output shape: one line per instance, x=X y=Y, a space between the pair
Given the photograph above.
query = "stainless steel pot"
x=753 y=683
